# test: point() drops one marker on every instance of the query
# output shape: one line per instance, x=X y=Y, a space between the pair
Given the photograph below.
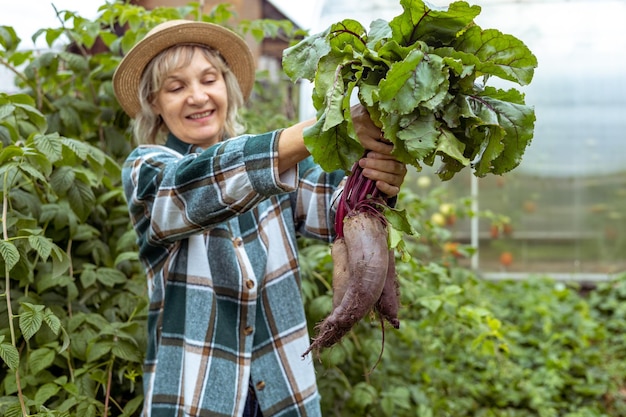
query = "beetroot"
x=364 y=275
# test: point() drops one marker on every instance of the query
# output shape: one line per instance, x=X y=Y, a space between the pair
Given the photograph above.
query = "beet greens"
x=422 y=76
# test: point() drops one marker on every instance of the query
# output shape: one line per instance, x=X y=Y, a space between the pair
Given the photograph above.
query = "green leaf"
x=334 y=148
x=42 y=245
x=9 y=354
x=412 y=82
x=432 y=303
x=60 y=261
x=46 y=391
x=6 y=110
x=300 y=60
x=8 y=38
x=33 y=172
x=40 y=359
x=88 y=277
x=399 y=220
x=110 y=276
x=31 y=318
x=81 y=198
x=419 y=22
x=363 y=395
x=49 y=145
x=499 y=54
x=62 y=179
x=53 y=322
x=9 y=253
x=99 y=348
x=77 y=63
x=127 y=351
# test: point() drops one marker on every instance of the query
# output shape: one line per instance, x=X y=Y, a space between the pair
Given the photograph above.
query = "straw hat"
x=231 y=47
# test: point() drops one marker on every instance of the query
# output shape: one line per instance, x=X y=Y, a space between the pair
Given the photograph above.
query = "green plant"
x=73 y=306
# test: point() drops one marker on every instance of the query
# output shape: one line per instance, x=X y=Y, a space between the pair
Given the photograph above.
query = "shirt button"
x=238 y=241
x=248 y=330
x=260 y=385
x=249 y=284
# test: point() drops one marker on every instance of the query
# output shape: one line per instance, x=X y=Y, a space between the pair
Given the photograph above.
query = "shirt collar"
x=179 y=146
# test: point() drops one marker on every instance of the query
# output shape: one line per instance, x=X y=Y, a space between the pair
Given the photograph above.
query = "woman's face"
x=193 y=102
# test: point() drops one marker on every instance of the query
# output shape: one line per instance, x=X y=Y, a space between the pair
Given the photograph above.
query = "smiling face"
x=193 y=101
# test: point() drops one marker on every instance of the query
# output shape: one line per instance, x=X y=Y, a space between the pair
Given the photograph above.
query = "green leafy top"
x=422 y=76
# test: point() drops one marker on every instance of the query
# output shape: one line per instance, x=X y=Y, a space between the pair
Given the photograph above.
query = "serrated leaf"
x=81 y=199
x=49 y=145
x=78 y=148
x=31 y=318
x=62 y=179
x=9 y=355
x=53 y=322
x=41 y=244
x=9 y=253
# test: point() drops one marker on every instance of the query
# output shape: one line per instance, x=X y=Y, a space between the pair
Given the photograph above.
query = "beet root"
x=389 y=302
x=366 y=245
x=341 y=273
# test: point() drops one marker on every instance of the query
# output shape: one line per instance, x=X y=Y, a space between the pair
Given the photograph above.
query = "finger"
x=382 y=163
x=388 y=189
x=371 y=142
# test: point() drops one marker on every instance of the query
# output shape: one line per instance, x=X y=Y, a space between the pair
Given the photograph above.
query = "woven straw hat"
x=231 y=47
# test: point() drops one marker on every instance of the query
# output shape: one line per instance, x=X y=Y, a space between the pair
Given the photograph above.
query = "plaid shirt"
x=217 y=235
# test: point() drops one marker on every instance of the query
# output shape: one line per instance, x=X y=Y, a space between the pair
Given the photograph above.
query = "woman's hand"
x=378 y=165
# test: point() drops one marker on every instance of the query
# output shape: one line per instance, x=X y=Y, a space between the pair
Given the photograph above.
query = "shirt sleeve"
x=172 y=196
x=315 y=200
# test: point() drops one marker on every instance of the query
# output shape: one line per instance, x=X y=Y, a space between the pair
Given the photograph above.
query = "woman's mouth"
x=200 y=115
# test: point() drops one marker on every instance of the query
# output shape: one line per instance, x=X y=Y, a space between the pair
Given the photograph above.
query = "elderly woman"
x=217 y=213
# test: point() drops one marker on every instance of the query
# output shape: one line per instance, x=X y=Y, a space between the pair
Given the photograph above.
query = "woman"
x=217 y=214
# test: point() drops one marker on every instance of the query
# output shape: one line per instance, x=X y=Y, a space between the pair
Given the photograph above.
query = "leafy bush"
x=72 y=324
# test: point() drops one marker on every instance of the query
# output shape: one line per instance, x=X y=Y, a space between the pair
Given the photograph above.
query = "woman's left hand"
x=378 y=165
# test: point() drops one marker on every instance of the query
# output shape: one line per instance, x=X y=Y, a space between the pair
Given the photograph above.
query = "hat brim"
x=231 y=47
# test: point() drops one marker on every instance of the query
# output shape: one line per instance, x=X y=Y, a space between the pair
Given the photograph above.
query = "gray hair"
x=149 y=127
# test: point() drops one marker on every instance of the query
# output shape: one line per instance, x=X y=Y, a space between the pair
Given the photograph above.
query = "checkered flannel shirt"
x=217 y=236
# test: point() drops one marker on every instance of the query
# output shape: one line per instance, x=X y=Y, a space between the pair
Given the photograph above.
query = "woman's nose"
x=197 y=96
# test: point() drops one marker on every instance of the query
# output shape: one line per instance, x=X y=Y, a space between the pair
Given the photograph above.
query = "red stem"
x=360 y=194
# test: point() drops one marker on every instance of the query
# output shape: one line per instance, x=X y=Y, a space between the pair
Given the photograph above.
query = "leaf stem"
x=7 y=293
